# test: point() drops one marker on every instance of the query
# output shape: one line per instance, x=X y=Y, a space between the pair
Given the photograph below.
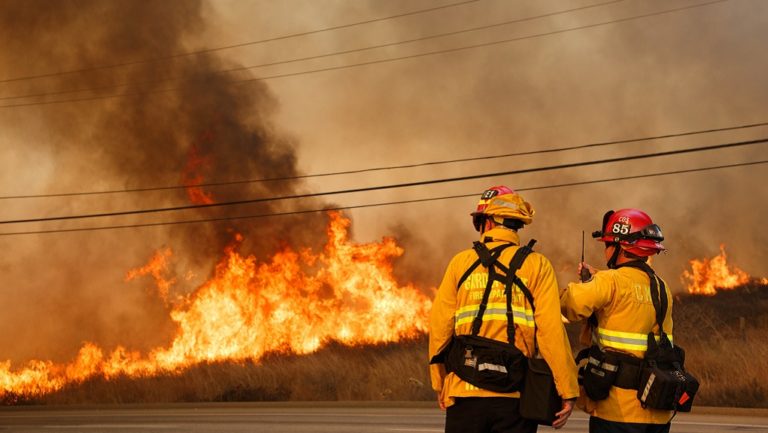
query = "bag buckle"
x=469 y=359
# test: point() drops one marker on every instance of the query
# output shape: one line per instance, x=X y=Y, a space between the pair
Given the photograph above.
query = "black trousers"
x=487 y=415
x=599 y=425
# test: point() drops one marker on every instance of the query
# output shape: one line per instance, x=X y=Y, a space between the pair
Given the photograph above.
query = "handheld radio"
x=584 y=275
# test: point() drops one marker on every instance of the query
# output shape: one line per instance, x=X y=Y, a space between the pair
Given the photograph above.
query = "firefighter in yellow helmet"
x=618 y=304
x=480 y=300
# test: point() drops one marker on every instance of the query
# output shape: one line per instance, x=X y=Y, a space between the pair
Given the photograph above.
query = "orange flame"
x=293 y=303
x=156 y=268
x=192 y=178
x=708 y=275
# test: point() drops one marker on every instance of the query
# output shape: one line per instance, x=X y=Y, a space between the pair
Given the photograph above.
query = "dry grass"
x=728 y=359
x=726 y=343
x=335 y=373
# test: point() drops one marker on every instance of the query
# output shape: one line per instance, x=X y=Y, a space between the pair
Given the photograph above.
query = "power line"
x=392 y=167
x=393 y=186
x=239 y=45
x=335 y=53
x=373 y=62
x=338 y=208
x=481 y=45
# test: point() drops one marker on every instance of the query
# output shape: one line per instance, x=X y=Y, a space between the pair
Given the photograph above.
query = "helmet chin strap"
x=483 y=221
x=614 y=256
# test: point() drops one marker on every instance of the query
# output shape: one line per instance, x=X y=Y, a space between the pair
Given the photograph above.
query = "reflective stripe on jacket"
x=621 y=301
x=523 y=316
x=625 y=341
x=454 y=309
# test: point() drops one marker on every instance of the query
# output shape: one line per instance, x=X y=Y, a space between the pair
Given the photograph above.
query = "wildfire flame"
x=708 y=275
x=293 y=303
x=156 y=268
x=197 y=163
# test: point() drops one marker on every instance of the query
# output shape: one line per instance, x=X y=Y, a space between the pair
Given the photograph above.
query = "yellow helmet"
x=504 y=203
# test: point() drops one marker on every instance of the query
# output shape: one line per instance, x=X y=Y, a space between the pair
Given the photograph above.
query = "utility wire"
x=239 y=45
x=391 y=167
x=481 y=45
x=339 y=208
x=373 y=62
x=392 y=186
x=331 y=54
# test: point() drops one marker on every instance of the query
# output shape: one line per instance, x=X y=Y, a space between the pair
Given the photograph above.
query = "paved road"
x=302 y=418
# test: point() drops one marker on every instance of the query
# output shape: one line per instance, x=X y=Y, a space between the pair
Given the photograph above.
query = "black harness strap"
x=516 y=263
x=487 y=259
x=485 y=256
x=477 y=263
x=490 y=260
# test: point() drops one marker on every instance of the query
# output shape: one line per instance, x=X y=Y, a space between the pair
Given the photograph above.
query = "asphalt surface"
x=313 y=417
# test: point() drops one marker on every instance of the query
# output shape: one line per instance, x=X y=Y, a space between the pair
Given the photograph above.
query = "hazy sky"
x=689 y=70
x=692 y=69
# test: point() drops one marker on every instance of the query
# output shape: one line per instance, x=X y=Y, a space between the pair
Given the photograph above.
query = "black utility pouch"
x=486 y=363
x=684 y=400
x=667 y=388
x=664 y=383
x=599 y=373
x=657 y=388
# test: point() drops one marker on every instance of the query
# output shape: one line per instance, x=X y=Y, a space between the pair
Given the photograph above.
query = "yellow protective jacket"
x=621 y=300
x=453 y=308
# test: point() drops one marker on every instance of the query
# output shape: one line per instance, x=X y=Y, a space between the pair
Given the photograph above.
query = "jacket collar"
x=500 y=234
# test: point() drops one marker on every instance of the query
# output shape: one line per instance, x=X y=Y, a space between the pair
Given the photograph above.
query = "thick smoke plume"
x=181 y=122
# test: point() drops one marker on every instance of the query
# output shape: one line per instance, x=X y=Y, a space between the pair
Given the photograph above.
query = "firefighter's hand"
x=592 y=271
x=440 y=402
x=562 y=416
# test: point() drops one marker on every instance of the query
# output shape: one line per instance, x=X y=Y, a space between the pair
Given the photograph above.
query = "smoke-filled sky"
x=181 y=120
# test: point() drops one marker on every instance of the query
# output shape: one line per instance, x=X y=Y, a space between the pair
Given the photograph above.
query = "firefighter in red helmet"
x=617 y=305
x=483 y=298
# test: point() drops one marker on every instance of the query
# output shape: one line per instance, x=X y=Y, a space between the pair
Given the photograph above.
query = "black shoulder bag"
x=539 y=399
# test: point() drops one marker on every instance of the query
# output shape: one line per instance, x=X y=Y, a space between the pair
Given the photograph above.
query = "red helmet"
x=633 y=230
